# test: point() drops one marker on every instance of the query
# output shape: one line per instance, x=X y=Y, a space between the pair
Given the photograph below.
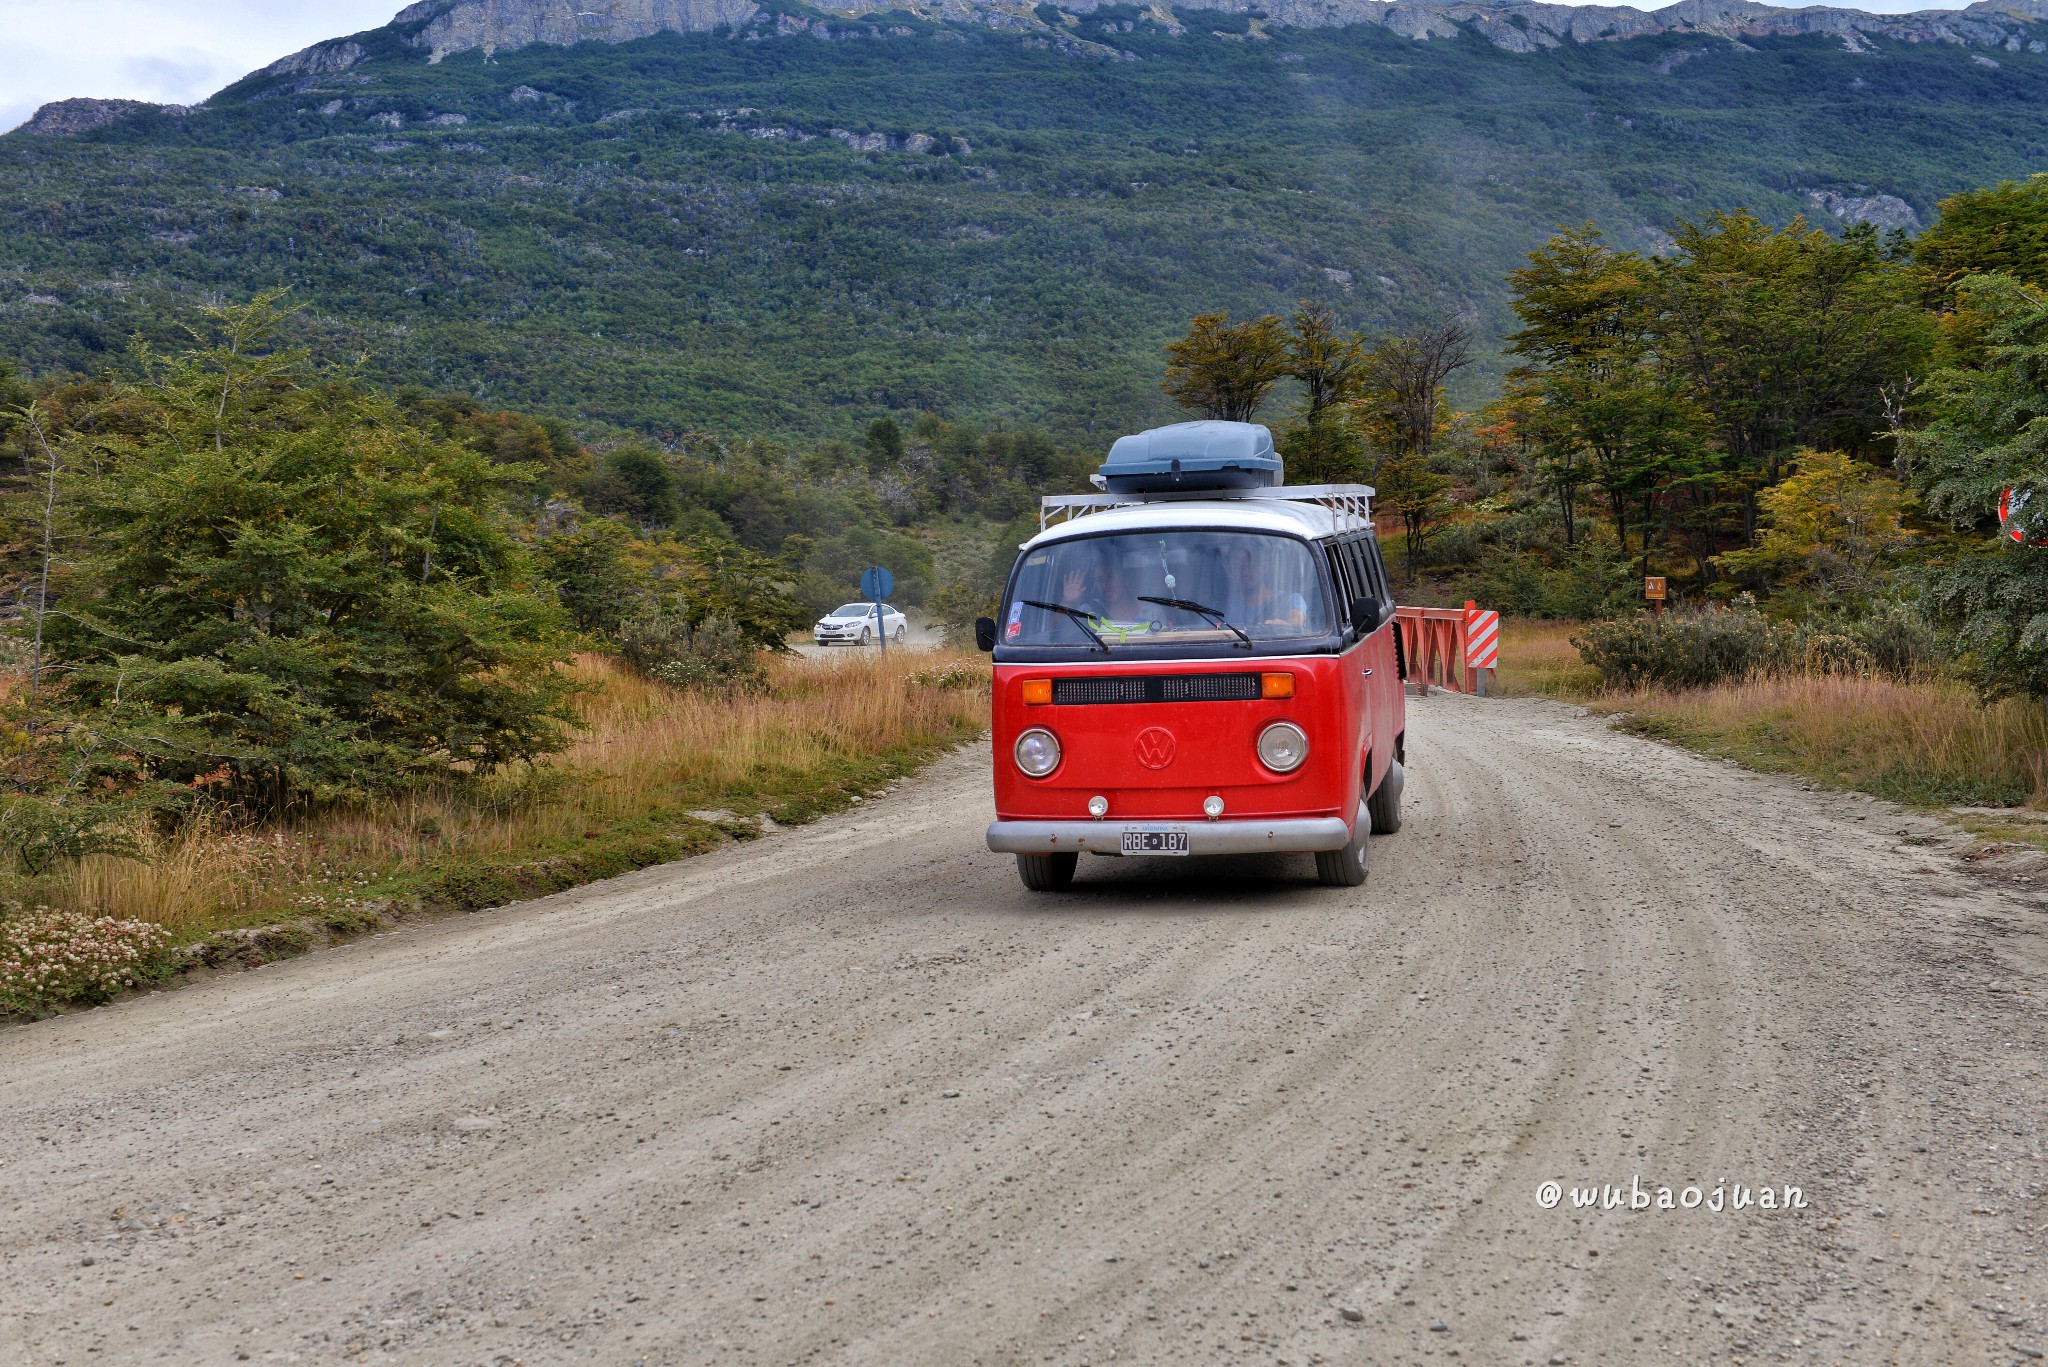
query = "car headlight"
x=1283 y=747
x=1038 y=752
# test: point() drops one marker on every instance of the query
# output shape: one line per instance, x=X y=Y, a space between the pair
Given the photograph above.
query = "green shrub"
x=1899 y=641
x=954 y=609
x=1685 y=649
x=713 y=656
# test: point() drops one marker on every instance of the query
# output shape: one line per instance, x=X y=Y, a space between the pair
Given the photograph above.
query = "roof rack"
x=1351 y=503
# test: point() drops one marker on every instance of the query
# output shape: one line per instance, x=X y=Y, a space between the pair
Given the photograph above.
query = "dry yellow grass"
x=1539 y=658
x=1930 y=743
x=825 y=730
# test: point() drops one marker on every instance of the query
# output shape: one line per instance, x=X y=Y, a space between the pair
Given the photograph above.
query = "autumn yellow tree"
x=1832 y=525
x=1223 y=369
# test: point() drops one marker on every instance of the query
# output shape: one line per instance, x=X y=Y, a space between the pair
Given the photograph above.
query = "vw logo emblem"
x=1155 y=747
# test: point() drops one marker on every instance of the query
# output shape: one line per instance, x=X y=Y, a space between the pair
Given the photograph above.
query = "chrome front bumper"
x=1297 y=835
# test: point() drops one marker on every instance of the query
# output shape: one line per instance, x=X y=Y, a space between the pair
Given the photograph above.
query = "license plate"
x=1156 y=842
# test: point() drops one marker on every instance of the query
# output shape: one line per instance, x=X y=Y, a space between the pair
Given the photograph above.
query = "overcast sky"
x=181 y=51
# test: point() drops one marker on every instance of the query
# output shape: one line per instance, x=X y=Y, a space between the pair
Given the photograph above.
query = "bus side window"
x=1361 y=572
x=1343 y=575
x=1379 y=569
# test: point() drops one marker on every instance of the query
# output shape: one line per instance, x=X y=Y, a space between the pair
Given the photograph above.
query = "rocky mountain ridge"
x=440 y=28
x=447 y=26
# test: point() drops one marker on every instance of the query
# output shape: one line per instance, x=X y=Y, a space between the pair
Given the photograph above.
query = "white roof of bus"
x=1252 y=515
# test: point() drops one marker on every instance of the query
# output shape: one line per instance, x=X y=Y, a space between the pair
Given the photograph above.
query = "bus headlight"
x=1283 y=747
x=1038 y=752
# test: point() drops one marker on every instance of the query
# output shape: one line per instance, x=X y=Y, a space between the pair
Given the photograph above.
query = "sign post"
x=877 y=584
x=1653 y=590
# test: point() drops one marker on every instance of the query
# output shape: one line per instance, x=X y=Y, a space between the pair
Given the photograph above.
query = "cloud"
x=169 y=51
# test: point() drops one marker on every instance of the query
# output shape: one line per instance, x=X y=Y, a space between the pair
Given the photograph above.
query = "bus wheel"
x=1345 y=868
x=1385 y=802
x=1046 y=872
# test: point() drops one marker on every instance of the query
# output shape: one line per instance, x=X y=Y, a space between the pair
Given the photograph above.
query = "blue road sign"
x=876 y=584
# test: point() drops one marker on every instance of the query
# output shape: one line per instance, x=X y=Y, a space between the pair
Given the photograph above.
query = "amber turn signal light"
x=1039 y=691
x=1270 y=685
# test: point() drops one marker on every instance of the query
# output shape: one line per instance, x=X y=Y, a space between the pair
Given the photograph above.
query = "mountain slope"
x=801 y=219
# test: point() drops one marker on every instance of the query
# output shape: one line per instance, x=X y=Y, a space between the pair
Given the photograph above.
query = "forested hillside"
x=791 y=237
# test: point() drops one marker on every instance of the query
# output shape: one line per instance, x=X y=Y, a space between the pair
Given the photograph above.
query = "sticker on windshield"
x=1016 y=621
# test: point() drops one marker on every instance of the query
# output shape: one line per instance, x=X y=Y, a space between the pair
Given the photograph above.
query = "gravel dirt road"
x=849 y=1094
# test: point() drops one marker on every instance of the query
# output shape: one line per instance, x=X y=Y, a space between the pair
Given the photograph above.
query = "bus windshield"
x=1166 y=588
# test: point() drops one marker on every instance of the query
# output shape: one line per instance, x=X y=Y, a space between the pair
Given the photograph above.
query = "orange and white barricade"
x=1482 y=644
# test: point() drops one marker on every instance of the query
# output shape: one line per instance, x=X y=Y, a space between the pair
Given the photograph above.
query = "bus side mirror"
x=1365 y=615
x=985 y=633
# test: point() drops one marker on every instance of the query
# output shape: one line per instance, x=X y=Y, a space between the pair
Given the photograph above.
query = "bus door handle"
x=1366 y=674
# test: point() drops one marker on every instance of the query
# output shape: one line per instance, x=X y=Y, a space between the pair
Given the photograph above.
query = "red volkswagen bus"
x=1188 y=669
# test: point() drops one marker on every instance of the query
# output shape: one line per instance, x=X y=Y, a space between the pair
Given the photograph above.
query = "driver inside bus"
x=1259 y=600
x=1099 y=587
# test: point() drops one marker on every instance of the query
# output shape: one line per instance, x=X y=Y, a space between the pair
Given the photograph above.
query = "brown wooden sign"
x=1653 y=588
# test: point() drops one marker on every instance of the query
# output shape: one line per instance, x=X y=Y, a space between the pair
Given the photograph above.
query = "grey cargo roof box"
x=1193 y=455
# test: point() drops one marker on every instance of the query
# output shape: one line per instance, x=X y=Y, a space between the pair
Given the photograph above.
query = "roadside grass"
x=1537 y=658
x=1924 y=744
x=655 y=775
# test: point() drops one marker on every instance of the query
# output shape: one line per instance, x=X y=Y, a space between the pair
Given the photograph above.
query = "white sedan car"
x=854 y=624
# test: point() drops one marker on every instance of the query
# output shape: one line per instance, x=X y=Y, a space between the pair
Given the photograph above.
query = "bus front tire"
x=1346 y=868
x=1046 y=872
x=1385 y=802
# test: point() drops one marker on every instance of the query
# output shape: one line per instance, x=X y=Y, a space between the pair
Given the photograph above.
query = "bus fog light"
x=1283 y=747
x=1098 y=807
x=1212 y=807
x=1038 y=752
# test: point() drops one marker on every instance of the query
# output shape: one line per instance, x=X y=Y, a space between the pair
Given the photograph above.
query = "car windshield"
x=1166 y=588
x=854 y=610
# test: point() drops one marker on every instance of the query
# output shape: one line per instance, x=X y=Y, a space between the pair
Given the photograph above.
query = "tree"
x=592 y=579
x=2002 y=229
x=1599 y=404
x=291 y=591
x=723 y=579
x=1990 y=435
x=1835 y=522
x=1225 y=371
x=1324 y=447
x=636 y=481
x=884 y=442
x=1785 y=338
x=1404 y=380
x=1327 y=362
x=1408 y=489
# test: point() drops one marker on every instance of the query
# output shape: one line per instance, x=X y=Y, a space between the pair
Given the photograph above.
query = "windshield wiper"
x=1187 y=605
x=1079 y=617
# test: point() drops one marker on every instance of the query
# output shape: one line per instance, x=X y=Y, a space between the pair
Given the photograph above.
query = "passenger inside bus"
x=1259 y=593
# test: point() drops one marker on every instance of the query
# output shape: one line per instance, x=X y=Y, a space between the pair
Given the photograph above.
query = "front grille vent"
x=1156 y=688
